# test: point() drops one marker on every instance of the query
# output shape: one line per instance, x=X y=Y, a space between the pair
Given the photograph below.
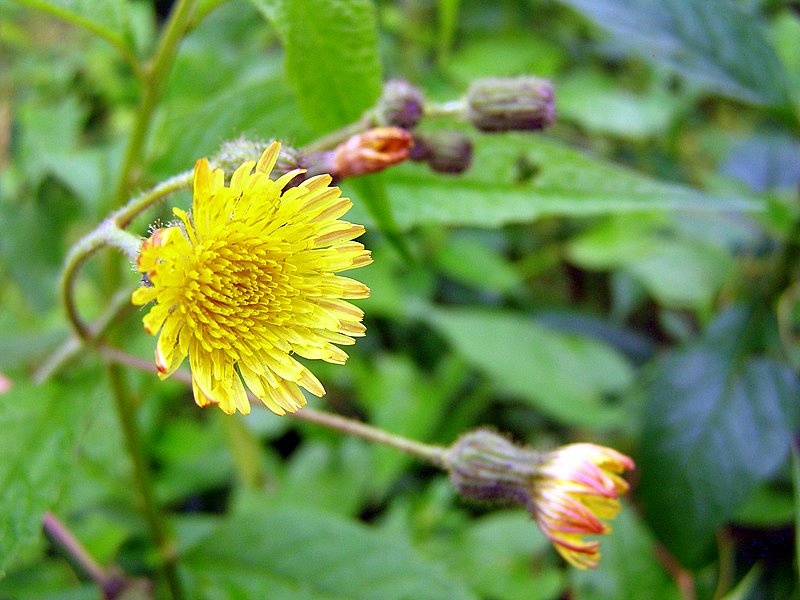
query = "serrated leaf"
x=716 y=43
x=331 y=56
x=297 y=554
x=566 y=182
x=714 y=427
x=39 y=427
x=566 y=376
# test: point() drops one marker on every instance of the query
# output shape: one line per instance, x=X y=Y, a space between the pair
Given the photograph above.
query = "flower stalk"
x=156 y=521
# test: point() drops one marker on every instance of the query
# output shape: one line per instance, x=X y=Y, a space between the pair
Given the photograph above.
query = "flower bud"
x=401 y=105
x=507 y=104
x=235 y=152
x=567 y=491
x=444 y=151
x=371 y=151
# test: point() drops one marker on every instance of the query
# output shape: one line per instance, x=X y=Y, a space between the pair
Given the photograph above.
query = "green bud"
x=508 y=104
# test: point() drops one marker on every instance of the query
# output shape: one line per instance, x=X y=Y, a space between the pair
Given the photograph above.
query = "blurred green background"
x=628 y=278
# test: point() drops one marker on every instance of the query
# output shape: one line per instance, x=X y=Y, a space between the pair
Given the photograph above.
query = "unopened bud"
x=570 y=492
x=486 y=466
x=5 y=384
x=234 y=152
x=507 y=104
x=401 y=105
x=371 y=151
x=444 y=151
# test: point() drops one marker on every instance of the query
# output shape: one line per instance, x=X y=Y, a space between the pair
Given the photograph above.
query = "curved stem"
x=154 y=85
x=119 y=305
x=156 y=522
x=110 y=233
x=435 y=455
x=107 y=234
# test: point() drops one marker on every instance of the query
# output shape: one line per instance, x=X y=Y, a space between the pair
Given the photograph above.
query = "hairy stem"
x=156 y=522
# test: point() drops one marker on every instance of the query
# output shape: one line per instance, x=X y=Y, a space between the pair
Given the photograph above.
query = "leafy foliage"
x=628 y=277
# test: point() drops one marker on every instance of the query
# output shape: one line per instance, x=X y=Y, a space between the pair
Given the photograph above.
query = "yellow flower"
x=574 y=488
x=247 y=279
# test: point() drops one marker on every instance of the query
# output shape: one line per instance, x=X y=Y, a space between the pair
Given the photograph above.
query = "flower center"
x=233 y=289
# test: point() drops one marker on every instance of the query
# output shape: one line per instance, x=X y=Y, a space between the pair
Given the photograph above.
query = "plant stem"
x=119 y=305
x=154 y=85
x=436 y=455
x=334 y=138
x=156 y=522
x=107 y=234
x=110 y=233
x=112 y=581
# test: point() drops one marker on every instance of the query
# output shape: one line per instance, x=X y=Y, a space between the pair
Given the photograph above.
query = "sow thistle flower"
x=569 y=491
x=247 y=280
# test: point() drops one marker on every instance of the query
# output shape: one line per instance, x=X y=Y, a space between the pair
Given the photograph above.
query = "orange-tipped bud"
x=371 y=151
x=570 y=492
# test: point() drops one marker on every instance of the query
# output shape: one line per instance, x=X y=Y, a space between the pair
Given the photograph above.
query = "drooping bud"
x=444 y=151
x=401 y=105
x=569 y=491
x=508 y=104
x=371 y=151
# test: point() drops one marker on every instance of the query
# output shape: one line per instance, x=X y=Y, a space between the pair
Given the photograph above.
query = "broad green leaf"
x=473 y=261
x=39 y=432
x=598 y=103
x=332 y=57
x=496 y=555
x=716 y=43
x=678 y=272
x=715 y=424
x=297 y=554
x=340 y=474
x=566 y=376
x=258 y=108
x=629 y=569
x=566 y=182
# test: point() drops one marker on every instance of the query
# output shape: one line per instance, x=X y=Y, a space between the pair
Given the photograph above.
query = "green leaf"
x=39 y=430
x=718 y=44
x=715 y=425
x=331 y=56
x=630 y=569
x=598 y=103
x=109 y=19
x=304 y=555
x=566 y=376
x=678 y=272
x=495 y=556
x=566 y=182
x=261 y=107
